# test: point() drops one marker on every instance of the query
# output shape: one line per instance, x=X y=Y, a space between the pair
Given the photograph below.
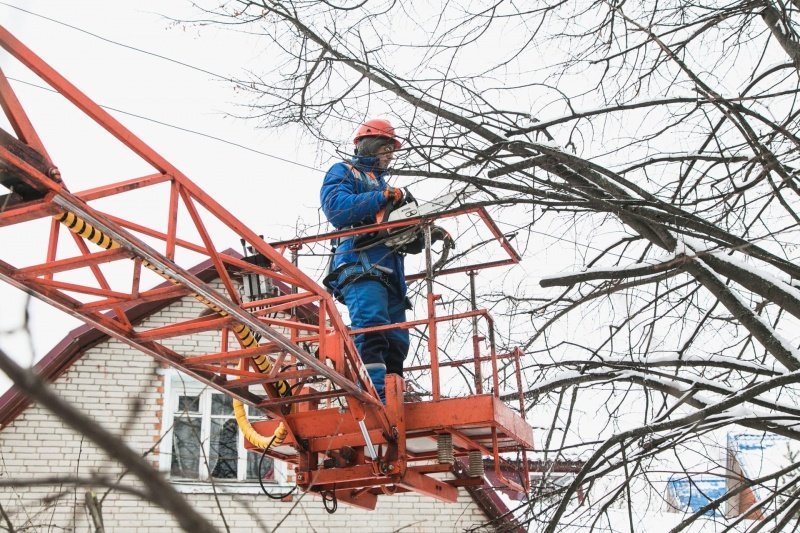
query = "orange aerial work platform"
x=299 y=368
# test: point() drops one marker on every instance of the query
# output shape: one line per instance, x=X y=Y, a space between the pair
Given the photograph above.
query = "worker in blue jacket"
x=368 y=276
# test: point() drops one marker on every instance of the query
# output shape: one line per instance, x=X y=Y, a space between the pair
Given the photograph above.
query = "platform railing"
x=432 y=320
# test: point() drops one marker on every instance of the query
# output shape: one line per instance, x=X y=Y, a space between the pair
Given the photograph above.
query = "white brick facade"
x=107 y=382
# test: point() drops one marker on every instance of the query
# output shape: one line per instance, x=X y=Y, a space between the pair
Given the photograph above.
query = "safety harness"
x=337 y=278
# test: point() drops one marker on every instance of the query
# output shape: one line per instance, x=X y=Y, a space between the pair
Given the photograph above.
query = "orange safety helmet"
x=377 y=127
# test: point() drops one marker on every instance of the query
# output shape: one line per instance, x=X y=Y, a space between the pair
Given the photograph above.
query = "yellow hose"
x=251 y=435
x=245 y=335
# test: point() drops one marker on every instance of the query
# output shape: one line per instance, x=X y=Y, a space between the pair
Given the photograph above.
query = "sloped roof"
x=759 y=454
x=690 y=495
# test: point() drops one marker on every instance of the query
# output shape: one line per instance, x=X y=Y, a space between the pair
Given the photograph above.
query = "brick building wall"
x=123 y=390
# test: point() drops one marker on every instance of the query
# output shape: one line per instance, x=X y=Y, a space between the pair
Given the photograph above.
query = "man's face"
x=385 y=155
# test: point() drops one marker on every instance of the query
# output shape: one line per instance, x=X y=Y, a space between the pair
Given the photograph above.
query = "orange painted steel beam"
x=260 y=311
x=413 y=323
x=232 y=355
x=73 y=263
x=332 y=476
x=370 y=228
x=277 y=276
x=356 y=476
x=307 y=397
x=271 y=305
x=75 y=287
x=256 y=378
x=100 y=278
x=361 y=499
x=28 y=174
x=432 y=469
x=461 y=362
x=328 y=443
x=229 y=371
x=468 y=443
x=248 y=377
x=18 y=119
x=172 y=220
x=429 y=486
x=319 y=423
x=376 y=486
x=325 y=444
x=152 y=295
x=144 y=230
x=513 y=255
x=468 y=268
x=187 y=327
x=122 y=186
x=472 y=412
x=224 y=276
x=293 y=325
x=25 y=212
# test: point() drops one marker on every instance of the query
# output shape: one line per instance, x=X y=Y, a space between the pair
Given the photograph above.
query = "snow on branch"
x=628 y=271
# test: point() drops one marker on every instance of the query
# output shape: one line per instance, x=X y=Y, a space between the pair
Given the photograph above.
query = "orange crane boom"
x=352 y=452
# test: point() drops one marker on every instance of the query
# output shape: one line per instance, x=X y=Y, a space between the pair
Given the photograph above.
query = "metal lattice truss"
x=376 y=449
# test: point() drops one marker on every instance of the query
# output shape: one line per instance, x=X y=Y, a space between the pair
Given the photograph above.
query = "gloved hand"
x=393 y=195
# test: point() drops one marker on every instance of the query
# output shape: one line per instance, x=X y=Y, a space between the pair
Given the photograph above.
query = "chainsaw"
x=411 y=240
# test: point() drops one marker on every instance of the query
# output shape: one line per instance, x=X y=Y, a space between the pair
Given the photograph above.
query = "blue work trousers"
x=373 y=303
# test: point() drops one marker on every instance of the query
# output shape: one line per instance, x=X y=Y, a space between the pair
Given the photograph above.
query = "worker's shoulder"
x=339 y=170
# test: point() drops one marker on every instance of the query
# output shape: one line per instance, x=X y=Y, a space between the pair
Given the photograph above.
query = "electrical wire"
x=123 y=45
x=261 y=481
x=183 y=64
x=329 y=496
x=179 y=128
x=165 y=58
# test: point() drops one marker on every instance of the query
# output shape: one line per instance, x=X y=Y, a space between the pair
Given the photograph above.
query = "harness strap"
x=360 y=173
x=363 y=269
x=335 y=243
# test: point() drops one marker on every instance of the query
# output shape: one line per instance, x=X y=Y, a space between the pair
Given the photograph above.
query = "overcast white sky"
x=269 y=195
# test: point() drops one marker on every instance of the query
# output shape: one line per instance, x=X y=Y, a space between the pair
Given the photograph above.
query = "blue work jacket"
x=351 y=195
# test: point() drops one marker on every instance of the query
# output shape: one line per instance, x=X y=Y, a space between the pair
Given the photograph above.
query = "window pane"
x=253 y=412
x=186 y=447
x=221 y=404
x=224 y=448
x=188 y=404
x=267 y=467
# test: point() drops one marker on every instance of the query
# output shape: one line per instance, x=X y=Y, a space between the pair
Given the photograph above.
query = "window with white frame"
x=201 y=437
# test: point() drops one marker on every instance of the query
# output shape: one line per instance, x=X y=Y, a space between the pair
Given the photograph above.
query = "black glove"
x=393 y=195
